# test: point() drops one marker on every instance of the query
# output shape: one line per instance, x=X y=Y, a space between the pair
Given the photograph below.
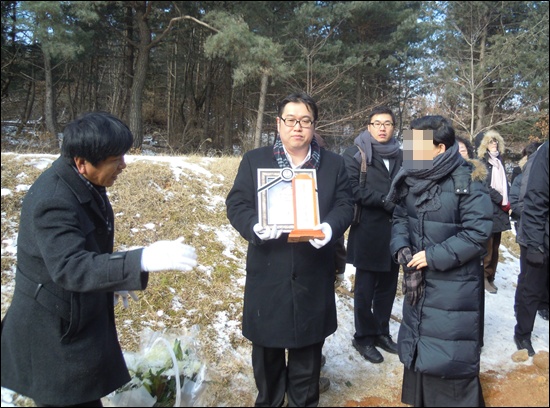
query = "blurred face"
x=104 y=173
x=419 y=149
x=463 y=150
x=296 y=137
x=381 y=127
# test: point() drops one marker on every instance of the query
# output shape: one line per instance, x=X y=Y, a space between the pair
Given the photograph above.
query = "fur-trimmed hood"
x=479 y=170
x=484 y=145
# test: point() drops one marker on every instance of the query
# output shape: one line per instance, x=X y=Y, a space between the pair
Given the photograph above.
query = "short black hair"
x=95 y=136
x=299 y=97
x=381 y=110
x=468 y=144
x=530 y=149
x=443 y=131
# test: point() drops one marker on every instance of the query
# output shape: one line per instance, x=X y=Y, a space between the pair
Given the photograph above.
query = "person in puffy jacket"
x=441 y=223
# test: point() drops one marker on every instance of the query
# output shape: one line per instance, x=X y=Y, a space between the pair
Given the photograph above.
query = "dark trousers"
x=298 y=377
x=373 y=299
x=532 y=283
x=490 y=261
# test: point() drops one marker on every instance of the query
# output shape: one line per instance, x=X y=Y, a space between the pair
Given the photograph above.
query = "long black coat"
x=440 y=334
x=71 y=356
x=369 y=241
x=289 y=291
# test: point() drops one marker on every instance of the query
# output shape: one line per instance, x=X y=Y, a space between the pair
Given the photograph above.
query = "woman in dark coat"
x=441 y=222
x=59 y=341
x=289 y=291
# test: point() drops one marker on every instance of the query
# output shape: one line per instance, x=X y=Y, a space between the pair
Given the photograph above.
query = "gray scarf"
x=423 y=183
x=366 y=142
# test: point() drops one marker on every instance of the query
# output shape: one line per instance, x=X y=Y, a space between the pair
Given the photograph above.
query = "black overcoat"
x=440 y=336
x=68 y=353
x=369 y=241
x=289 y=299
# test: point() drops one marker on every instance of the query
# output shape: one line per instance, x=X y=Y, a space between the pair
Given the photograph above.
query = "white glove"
x=327 y=230
x=267 y=233
x=124 y=294
x=168 y=255
x=338 y=279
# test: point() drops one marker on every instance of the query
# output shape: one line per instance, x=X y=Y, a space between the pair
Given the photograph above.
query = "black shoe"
x=543 y=313
x=525 y=344
x=324 y=384
x=385 y=342
x=368 y=352
x=323 y=360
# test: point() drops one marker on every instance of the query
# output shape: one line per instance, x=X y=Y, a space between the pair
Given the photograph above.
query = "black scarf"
x=423 y=183
x=313 y=162
x=366 y=142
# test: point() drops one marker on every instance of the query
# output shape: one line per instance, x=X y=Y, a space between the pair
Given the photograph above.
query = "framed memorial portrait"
x=288 y=198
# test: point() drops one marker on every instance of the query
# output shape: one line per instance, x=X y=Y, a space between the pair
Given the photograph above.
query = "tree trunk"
x=49 y=102
x=135 y=117
x=261 y=107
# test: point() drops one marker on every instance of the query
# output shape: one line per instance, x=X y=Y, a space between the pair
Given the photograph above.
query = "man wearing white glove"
x=68 y=278
x=289 y=300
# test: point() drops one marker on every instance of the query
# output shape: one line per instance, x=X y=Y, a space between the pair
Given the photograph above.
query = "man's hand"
x=168 y=255
x=535 y=258
x=267 y=233
x=124 y=295
x=338 y=279
x=327 y=230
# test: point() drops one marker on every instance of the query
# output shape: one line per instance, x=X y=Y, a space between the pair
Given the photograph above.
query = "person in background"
x=376 y=274
x=59 y=340
x=525 y=153
x=490 y=151
x=533 y=239
x=465 y=148
x=441 y=222
x=289 y=301
x=479 y=172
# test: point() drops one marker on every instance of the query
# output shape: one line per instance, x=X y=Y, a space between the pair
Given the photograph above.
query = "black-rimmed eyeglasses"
x=304 y=122
x=378 y=125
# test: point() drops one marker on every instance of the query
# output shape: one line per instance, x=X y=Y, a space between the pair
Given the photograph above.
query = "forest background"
x=204 y=77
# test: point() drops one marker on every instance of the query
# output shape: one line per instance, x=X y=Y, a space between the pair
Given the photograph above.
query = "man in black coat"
x=289 y=300
x=59 y=340
x=369 y=240
x=534 y=249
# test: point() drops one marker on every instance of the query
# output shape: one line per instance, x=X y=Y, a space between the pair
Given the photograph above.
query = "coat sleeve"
x=476 y=223
x=64 y=234
x=400 y=230
x=241 y=202
x=535 y=203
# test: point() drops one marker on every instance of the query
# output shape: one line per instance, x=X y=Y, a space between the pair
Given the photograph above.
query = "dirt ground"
x=526 y=386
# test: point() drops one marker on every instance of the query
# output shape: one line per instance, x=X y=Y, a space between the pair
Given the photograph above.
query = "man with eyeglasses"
x=376 y=273
x=289 y=303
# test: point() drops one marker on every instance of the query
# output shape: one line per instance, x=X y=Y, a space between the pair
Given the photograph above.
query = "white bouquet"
x=166 y=372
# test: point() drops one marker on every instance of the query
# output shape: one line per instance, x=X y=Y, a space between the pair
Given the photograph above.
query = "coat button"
x=293 y=276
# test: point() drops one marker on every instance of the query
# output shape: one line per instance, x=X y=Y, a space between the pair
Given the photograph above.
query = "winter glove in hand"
x=168 y=255
x=124 y=295
x=338 y=279
x=534 y=258
x=404 y=256
x=267 y=233
x=413 y=284
x=327 y=230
